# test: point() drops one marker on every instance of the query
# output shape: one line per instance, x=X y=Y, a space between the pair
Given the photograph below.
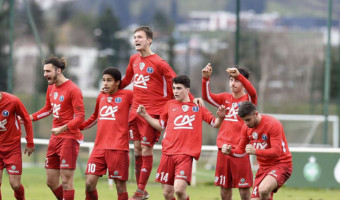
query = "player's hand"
x=207 y=71
x=21 y=120
x=141 y=110
x=29 y=150
x=250 y=149
x=226 y=149
x=198 y=102
x=233 y=72
x=58 y=130
x=221 y=112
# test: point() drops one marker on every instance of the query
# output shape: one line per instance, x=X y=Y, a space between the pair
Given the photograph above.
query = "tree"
x=112 y=49
x=3 y=54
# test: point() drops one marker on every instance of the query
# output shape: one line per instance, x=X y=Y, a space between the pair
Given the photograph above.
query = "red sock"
x=0 y=191
x=174 y=198
x=20 y=193
x=93 y=195
x=123 y=196
x=138 y=167
x=145 y=172
x=58 y=193
x=188 y=198
x=68 y=195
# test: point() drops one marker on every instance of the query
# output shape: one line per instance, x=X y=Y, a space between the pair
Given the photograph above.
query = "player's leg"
x=266 y=187
x=19 y=191
x=96 y=167
x=121 y=189
x=180 y=189
x=118 y=167
x=52 y=165
x=138 y=159
x=1 y=171
x=53 y=177
x=223 y=175
x=13 y=160
x=226 y=193
x=168 y=192
x=149 y=136
x=68 y=160
x=244 y=193
x=67 y=183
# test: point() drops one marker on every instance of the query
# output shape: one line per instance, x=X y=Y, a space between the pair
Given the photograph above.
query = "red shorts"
x=232 y=172
x=11 y=158
x=116 y=161
x=281 y=172
x=174 y=167
x=140 y=130
x=62 y=153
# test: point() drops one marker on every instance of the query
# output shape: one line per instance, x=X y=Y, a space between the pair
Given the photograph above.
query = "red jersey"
x=183 y=133
x=269 y=140
x=10 y=131
x=66 y=103
x=111 y=114
x=152 y=82
x=229 y=132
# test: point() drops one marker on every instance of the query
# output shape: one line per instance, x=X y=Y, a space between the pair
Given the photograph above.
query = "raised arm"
x=207 y=95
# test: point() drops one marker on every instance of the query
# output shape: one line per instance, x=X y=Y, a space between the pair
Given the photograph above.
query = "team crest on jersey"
x=61 y=98
x=109 y=99
x=55 y=95
x=141 y=65
x=5 y=113
x=195 y=109
x=185 y=108
x=264 y=137
x=255 y=136
x=118 y=99
x=149 y=70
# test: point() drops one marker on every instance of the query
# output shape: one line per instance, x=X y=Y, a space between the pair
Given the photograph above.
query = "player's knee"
x=15 y=185
x=180 y=193
x=245 y=194
x=90 y=186
x=226 y=193
x=264 y=192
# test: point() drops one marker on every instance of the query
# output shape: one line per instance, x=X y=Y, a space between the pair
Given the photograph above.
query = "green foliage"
x=3 y=54
x=112 y=49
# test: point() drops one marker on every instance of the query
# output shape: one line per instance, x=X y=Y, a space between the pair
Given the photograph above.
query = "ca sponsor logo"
x=141 y=81
x=56 y=108
x=108 y=112
x=231 y=113
x=184 y=122
x=2 y=125
x=260 y=145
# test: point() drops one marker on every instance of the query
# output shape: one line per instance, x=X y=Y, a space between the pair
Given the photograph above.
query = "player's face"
x=110 y=86
x=235 y=85
x=50 y=73
x=251 y=120
x=180 y=92
x=141 y=42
